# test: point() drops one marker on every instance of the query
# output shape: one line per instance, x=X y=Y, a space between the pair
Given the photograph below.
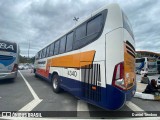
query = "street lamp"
x=28 y=50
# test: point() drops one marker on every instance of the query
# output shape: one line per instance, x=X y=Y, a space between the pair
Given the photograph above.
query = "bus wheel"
x=55 y=84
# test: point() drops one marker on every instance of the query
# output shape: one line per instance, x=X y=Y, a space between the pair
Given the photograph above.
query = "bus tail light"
x=15 y=68
x=118 y=76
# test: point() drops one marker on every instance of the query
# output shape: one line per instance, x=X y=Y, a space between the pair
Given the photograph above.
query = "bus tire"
x=12 y=80
x=56 y=84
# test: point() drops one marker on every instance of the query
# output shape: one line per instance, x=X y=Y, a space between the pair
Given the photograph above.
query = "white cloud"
x=40 y=21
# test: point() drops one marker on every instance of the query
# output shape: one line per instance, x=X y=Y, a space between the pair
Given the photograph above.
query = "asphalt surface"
x=14 y=95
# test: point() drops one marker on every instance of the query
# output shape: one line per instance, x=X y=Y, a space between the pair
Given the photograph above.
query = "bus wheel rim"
x=55 y=83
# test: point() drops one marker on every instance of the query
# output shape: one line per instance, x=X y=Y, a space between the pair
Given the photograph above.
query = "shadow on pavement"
x=6 y=81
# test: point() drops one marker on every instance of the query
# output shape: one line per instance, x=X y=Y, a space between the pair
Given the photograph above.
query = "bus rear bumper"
x=130 y=93
x=8 y=75
x=116 y=98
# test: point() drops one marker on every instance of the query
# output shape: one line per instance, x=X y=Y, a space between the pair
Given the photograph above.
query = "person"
x=142 y=72
x=151 y=87
x=145 y=79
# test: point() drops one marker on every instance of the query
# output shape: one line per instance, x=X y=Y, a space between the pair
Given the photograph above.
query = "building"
x=147 y=54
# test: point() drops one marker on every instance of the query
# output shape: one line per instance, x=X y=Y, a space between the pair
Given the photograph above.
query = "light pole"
x=28 y=50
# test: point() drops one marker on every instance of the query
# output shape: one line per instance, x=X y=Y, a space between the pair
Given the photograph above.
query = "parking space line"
x=29 y=87
x=31 y=105
x=133 y=107
x=82 y=109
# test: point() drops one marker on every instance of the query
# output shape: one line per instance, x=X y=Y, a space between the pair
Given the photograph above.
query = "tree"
x=23 y=59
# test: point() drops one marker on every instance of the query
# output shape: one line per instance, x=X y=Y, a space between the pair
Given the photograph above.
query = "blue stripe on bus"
x=141 y=66
x=7 y=62
x=111 y=97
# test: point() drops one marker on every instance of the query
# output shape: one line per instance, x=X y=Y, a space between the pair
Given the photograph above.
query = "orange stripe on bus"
x=129 y=68
x=44 y=73
x=77 y=60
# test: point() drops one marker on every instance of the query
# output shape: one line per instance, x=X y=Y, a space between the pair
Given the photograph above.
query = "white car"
x=26 y=67
x=21 y=67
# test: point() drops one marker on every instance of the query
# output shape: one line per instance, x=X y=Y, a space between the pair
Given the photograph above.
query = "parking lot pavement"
x=15 y=95
x=155 y=76
x=141 y=86
x=52 y=101
x=147 y=105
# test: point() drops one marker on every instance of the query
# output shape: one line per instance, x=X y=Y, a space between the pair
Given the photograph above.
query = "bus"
x=9 y=59
x=148 y=64
x=158 y=66
x=94 y=61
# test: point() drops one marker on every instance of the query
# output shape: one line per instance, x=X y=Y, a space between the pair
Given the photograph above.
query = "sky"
x=39 y=22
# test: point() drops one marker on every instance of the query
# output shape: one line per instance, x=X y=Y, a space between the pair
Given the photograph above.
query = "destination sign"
x=8 y=46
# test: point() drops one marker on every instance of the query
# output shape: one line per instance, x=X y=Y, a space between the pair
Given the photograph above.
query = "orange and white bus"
x=94 y=61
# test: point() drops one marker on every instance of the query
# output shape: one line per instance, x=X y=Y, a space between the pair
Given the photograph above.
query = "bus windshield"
x=151 y=63
x=8 y=46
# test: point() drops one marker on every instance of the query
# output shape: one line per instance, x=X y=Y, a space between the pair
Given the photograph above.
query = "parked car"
x=26 y=67
x=21 y=67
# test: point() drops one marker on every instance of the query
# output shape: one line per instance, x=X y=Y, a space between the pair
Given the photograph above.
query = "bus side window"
x=51 y=49
x=94 y=25
x=80 y=32
x=39 y=54
x=44 y=53
x=69 y=43
x=47 y=53
x=88 y=31
x=56 y=49
x=62 y=45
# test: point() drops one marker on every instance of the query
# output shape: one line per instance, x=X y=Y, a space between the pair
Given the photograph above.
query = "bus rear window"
x=8 y=46
x=127 y=25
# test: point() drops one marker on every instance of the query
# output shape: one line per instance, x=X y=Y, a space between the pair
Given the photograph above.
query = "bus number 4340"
x=72 y=73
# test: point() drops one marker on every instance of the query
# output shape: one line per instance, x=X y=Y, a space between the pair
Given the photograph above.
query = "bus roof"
x=147 y=57
x=110 y=6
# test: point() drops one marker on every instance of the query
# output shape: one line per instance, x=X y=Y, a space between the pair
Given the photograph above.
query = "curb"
x=146 y=96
